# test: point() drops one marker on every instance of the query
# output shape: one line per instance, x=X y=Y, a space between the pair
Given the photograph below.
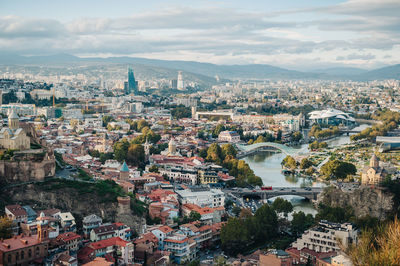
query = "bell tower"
x=13 y=120
x=42 y=228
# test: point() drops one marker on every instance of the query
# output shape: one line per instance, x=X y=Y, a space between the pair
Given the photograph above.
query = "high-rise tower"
x=132 y=86
x=180 y=84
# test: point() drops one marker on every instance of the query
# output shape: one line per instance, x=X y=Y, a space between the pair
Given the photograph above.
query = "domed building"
x=373 y=174
x=172 y=150
x=13 y=137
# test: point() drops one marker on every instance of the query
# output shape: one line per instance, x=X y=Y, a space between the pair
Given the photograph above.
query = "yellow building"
x=14 y=137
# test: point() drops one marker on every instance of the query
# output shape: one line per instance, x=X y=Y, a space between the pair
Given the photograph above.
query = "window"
x=9 y=258
x=17 y=256
x=22 y=255
x=29 y=253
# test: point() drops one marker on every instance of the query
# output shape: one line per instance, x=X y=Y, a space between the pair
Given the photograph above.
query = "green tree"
x=305 y=163
x=153 y=169
x=218 y=129
x=5 y=227
x=136 y=155
x=282 y=206
x=236 y=211
x=301 y=222
x=141 y=124
x=265 y=223
x=289 y=162
x=338 y=169
x=194 y=216
x=260 y=139
x=107 y=119
x=234 y=236
x=121 y=150
x=214 y=153
x=297 y=136
x=228 y=149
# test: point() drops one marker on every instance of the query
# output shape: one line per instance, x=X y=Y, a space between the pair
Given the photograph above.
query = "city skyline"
x=295 y=35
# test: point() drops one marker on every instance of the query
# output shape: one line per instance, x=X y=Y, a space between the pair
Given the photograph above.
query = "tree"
x=214 y=153
x=305 y=163
x=236 y=211
x=141 y=124
x=289 y=162
x=5 y=227
x=136 y=155
x=297 y=136
x=282 y=206
x=194 y=216
x=337 y=169
x=228 y=149
x=107 y=119
x=379 y=246
x=153 y=169
x=121 y=150
x=265 y=223
x=260 y=139
x=234 y=236
x=218 y=129
x=301 y=222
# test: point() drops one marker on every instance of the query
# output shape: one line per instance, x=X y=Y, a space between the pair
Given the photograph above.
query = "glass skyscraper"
x=132 y=86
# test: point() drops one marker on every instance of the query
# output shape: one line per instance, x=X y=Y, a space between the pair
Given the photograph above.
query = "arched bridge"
x=245 y=150
x=309 y=193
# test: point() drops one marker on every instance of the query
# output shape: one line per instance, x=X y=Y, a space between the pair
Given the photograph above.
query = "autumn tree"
x=5 y=227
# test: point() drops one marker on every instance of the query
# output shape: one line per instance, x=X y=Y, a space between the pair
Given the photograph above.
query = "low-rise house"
x=124 y=249
x=103 y=232
x=70 y=240
x=229 y=136
x=161 y=233
x=67 y=221
x=164 y=211
x=182 y=248
x=90 y=222
x=275 y=258
x=16 y=213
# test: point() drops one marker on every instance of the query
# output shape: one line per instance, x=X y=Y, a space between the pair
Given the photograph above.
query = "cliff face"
x=28 y=166
x=70 y=200
x=365 y=201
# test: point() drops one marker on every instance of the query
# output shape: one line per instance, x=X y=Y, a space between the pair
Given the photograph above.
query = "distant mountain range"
x=206 y=71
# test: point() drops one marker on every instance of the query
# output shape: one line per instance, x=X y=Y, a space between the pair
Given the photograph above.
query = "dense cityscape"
x=134 y=161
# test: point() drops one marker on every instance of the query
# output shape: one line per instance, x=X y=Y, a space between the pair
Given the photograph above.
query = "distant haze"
x=310 y=35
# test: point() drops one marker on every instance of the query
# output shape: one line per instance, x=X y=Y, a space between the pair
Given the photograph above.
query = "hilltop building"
x=373 y=174
x=14 y=137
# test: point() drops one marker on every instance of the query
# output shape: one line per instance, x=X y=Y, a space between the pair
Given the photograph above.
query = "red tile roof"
x=18 y=242
x=114 y=241
x=16 y=210
x=68 y=236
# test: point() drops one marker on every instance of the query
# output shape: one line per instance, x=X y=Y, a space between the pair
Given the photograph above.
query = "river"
x=267 y=165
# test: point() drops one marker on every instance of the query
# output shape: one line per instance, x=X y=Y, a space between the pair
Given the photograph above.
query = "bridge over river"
x=309 y=193
x=244 y=150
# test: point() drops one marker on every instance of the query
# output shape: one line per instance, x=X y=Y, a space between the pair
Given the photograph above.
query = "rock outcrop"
x=364 y=201
x=70 y=199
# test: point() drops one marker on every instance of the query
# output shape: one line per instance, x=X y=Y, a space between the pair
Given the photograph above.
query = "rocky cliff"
x=364 y=201
x=68 y=199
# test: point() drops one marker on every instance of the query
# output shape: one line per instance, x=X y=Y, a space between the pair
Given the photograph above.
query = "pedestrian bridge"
x=245 y=150
x=307 y=193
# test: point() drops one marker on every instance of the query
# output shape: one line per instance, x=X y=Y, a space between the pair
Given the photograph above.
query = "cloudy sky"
x=297 y=34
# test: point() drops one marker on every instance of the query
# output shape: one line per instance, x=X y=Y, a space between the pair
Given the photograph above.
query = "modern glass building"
x=132 y=86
